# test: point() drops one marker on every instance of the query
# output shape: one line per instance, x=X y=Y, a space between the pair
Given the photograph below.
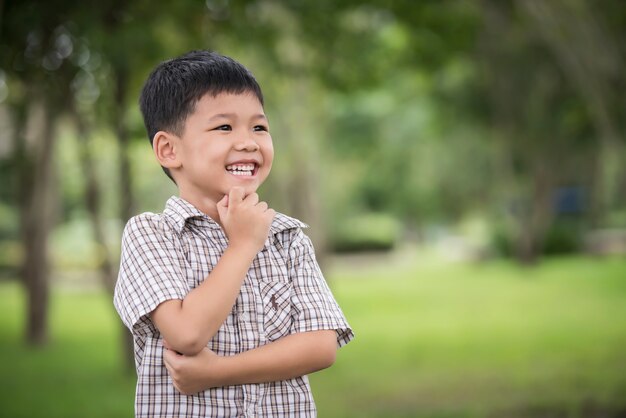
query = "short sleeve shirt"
x=166 y=255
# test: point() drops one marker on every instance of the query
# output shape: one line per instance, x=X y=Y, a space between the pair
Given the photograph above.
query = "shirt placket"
x=245 y=313
x=251 y=400
x=252 y=332
x=248 y=330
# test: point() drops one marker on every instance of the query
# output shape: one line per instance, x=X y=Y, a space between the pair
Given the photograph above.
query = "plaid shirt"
x=166 y=255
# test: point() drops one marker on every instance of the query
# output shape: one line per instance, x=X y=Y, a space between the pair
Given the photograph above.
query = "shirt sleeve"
x=151 y=272
x=315 y=306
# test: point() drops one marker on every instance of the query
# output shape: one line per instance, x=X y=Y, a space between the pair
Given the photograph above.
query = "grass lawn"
x=433 y=340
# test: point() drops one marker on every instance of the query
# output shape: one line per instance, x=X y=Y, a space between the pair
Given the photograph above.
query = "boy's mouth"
x=243 y=169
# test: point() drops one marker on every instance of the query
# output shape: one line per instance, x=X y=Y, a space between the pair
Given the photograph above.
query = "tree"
x=35 y=50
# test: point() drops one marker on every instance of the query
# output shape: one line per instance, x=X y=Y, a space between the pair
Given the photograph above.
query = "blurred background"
x=461 y=164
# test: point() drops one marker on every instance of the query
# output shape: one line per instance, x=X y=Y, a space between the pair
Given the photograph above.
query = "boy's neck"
x=205 y=205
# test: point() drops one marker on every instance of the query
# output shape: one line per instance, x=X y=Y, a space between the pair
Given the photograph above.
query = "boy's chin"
x=247 y=190
x=250 y=189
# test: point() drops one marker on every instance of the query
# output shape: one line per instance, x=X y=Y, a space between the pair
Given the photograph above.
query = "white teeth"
x=241 y=169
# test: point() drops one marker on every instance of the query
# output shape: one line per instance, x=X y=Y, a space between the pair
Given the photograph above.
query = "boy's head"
x=174 y=88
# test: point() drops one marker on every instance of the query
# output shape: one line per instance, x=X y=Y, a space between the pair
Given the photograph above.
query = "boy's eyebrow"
x=234 y=116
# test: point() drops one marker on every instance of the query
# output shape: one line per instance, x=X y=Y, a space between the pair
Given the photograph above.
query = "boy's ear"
x=164 y=145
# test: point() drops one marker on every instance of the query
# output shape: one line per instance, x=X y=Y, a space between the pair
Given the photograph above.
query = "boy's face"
x=225 y=143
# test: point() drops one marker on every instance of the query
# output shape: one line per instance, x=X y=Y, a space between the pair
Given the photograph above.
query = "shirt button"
x=243 y=316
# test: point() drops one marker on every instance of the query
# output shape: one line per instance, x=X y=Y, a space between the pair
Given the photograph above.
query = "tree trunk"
x=535 y=222
x=35 y=168
x=127 y=201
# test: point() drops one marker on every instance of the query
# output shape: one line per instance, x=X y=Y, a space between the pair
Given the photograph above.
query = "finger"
x=235 y=196
x=252 y=199
x=171 y=356
x=222 y=207
x=167 y=359
x=223 y=202
x=172 y=363
x=167 y=345
x=262 y=206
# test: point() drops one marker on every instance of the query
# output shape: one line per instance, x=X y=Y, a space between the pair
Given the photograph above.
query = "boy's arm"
x=189 y=324
x=288 y=357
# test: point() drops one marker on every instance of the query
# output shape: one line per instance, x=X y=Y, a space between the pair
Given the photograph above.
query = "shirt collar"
x=180 y=211
x=283 y=222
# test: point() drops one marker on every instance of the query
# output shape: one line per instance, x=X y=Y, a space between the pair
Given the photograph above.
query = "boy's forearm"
x=289 y=357
x=189 y=324
x=292 y=356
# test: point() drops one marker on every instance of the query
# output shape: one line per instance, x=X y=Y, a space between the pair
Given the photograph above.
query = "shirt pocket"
x=276 y=299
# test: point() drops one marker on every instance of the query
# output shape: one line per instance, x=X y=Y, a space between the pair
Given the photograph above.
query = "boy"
x=219 y=290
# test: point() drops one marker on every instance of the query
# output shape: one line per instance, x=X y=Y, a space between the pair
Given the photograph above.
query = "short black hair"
x=174 y=87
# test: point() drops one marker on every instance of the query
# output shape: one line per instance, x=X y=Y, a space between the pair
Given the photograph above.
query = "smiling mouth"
x=243 y=169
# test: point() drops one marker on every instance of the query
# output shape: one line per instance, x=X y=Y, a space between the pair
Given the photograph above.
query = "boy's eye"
x=224 y=128
x=260 y=128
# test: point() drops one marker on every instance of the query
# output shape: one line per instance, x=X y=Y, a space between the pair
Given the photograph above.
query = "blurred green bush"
x=563 y=237
x=10 y=247
x=365 y=232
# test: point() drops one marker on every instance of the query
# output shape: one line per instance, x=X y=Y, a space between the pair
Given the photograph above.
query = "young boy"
x=227 y=305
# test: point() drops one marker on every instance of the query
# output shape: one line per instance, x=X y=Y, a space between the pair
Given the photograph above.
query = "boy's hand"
x=192 y=374
x=245 y=219
x=288 y=357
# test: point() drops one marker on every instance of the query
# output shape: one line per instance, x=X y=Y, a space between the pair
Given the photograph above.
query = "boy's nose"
x=246 y=144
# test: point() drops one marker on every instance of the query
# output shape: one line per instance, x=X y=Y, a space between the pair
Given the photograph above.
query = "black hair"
x=174 y=87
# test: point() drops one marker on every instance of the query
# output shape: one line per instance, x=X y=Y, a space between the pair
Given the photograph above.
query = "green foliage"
x=73 y=248
x=10 y=247
x=502 y=240
x=8 y=222
x=365 y=232
x=563 y=237
x=423 y=110
x=11 y=255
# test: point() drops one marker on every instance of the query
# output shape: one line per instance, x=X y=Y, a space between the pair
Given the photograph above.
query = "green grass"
x=485 y=340
x=79 y=373
x=433 y=340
